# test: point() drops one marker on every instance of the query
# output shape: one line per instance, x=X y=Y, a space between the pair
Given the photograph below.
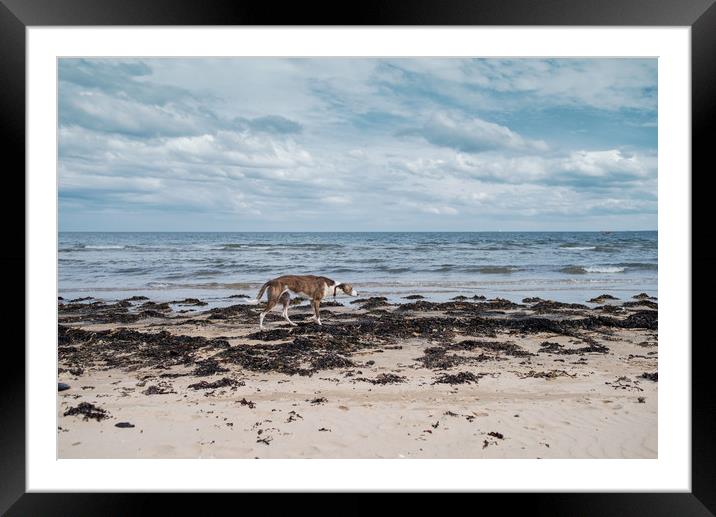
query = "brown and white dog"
x=313 y=287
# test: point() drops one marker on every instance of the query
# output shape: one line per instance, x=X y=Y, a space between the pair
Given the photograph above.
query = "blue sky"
x=349 y=144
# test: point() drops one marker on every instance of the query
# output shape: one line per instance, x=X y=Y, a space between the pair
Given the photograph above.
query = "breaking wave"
x=583 y=270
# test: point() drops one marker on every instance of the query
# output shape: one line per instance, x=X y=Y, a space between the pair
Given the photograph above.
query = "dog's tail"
x=260 y=295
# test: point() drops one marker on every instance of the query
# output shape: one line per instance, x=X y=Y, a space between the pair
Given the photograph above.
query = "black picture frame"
x=17 y=15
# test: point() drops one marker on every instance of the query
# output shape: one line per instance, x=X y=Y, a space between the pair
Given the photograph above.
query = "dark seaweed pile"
x=642 y=303
x=224 y=382
x=310 y=348
x=505 y=348
x=163 y=388
x=650 y=376
x=437 y=357
x=302 y=356
x=208 y=367
x=555 y=348
x=552 y=374
x=371 y=303
x=549 y=306
x=602 y=298
x=457 y=378
x=88 y=411
x=384 y=378
x=124 y=348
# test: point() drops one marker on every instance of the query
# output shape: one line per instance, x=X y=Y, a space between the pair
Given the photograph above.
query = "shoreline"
x=394 y=292
x=466 y=378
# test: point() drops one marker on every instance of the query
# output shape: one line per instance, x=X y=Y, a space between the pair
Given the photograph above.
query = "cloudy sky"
x=351 y=144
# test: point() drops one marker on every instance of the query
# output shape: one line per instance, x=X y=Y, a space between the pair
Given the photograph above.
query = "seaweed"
x=457 y=378
x=88 y=411
x=224 y=382
x=384 y=378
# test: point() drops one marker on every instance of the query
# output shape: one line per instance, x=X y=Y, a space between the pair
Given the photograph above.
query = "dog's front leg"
x=316 y=309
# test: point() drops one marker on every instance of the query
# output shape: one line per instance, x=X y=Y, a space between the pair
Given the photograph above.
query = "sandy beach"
x=468 y=378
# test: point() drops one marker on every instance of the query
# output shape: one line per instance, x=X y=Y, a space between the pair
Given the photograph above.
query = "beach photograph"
x=357 y=258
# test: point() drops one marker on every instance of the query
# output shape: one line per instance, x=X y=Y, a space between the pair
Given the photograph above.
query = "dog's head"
x=348 y=289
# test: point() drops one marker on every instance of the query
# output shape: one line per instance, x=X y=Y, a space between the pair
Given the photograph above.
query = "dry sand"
x=546 y=405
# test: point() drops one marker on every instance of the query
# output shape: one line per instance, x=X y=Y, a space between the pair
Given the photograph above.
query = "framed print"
x=431 y=249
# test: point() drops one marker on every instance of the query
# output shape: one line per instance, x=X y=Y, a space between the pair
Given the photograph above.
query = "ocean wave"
x=174 y=261
x=128 y=247
x=206 y=285
x=285 y=245
x=485 y=270
x=607 y=249
x=388 y=269
x=648 y=266
x=573 y=270
x=234 y=246
x=199 y=273
x=367 y=261
x=583 y=270
x=604 y=269
x=147 y=247
x=178 y=275
x=130 y=270
x=497 y=270
x=600 y=248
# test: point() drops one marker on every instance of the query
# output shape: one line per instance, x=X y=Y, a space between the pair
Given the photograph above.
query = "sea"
x=165 y=266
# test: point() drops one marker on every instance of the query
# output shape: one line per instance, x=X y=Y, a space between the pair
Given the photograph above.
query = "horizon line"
x=354 y=231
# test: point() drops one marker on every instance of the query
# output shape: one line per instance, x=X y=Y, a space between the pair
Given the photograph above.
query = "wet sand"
x=469 y=378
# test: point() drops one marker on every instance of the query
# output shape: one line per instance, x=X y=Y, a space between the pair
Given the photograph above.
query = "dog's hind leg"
x=272 y=301
x=286 y=300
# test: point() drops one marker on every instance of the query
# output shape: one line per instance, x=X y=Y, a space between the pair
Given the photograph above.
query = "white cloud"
x=603 y=163
x=344 y=144
x=473 y=134
x=610 y=84
x=586 y=168
x=439 y=210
